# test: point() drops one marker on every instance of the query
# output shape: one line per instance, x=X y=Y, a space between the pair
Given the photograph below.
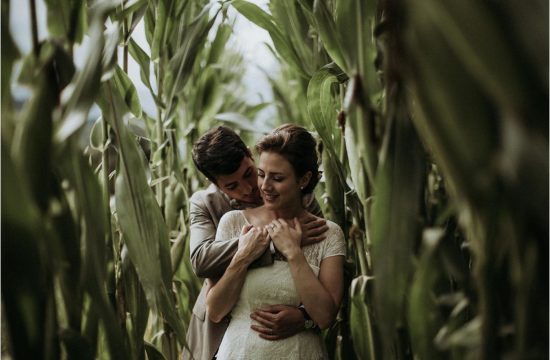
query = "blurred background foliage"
x=432 y=118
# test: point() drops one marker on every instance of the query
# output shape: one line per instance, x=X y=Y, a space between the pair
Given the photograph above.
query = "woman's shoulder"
x=334 y=230
x=232 y=216
x=334 y=243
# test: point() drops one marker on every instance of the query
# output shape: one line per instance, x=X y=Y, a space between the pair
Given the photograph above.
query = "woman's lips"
x=269 y=197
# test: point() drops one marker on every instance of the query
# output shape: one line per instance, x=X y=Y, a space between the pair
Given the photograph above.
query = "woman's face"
x=277 y=181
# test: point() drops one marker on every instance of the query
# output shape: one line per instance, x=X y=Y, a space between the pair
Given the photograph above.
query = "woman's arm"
x=224 y=293
x=321 y=296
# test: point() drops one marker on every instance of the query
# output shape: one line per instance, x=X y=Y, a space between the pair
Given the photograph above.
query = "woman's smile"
x=269 y=197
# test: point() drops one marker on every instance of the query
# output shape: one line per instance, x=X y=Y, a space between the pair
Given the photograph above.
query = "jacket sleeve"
x=209 y=258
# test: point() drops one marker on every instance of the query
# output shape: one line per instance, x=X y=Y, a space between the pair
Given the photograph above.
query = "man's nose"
x=247 y=187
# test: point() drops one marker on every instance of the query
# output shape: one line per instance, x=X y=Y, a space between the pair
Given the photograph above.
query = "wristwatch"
x=308 y=323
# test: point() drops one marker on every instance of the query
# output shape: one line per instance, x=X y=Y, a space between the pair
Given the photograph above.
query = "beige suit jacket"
x=209 y=260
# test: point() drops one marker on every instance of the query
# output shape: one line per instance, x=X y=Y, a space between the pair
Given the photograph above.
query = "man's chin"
x=252 y=199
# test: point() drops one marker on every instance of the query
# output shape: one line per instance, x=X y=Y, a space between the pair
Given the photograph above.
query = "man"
x=224 y=159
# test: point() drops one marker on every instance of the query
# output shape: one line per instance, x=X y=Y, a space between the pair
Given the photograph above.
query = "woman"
x=312 y=276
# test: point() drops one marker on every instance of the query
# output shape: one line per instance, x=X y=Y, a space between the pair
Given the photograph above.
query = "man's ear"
x=304 y=181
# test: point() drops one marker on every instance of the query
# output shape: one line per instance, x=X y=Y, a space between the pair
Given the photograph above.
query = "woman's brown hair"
x=298 y=147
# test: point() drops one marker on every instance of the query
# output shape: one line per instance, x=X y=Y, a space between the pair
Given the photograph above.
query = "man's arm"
x=209 y=258
x=313 y=225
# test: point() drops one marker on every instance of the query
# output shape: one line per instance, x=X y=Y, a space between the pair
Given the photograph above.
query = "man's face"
x=242 y=185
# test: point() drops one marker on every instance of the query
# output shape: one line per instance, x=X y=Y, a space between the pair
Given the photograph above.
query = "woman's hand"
x=252 y=243
x=285 y=238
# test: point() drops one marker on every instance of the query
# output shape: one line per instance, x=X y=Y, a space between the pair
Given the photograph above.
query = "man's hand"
x=313 y=228
x=278 y=321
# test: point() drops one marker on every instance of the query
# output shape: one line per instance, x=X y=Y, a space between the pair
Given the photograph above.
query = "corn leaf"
x=261 y=18
x=424 y=318
x=360 y=318
x=23 y=270
x=180 y=65
x=84 y=88
x=127 y=91
x=395 y=219
x=140 y=218
x=330 y=36
x=67 y=19
x=94 y=266
x=31 y=153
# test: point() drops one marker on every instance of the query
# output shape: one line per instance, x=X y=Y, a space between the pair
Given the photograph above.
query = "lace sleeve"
x=335 y=243
x=230 y=226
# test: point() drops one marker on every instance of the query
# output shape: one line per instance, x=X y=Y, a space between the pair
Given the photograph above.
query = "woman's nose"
x=265 y=185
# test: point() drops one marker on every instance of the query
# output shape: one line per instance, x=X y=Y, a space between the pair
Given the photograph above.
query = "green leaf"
x=89 y=199
x=82 y=91
x=136 y=305
x=424 y=319
x=23 y=269
x=329 y=34
x=131 y=12
x=322 y=106
x=193 y=41
x=355 y=22
x=475 y=34
x=153 y=353
x=242 y=122
x=395 y=225
x=360 y=318
x=141 y=220
x=259 y=17
x=127 y=91
x=67 y=19
x=160 y=23
x=360 y=139
x=10 y=54
x=32 y=152
x=149 y=24
x=290 y=19
x=218 y=45
x=143 y=61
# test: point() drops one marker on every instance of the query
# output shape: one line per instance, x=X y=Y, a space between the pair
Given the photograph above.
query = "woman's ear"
x=304 y=181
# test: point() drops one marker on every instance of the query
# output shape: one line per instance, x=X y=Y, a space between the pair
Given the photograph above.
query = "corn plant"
x=428 y=97
x=109 y=276
x=432 y=121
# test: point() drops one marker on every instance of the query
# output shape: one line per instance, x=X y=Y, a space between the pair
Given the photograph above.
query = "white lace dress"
x=269 y=286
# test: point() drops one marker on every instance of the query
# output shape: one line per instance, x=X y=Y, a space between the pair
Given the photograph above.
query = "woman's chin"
x=271 y=205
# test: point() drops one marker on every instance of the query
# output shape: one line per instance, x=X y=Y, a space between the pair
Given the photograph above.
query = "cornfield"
x=432 y=120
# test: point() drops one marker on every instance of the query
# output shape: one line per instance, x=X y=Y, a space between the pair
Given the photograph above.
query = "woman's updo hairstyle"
x=298 y=147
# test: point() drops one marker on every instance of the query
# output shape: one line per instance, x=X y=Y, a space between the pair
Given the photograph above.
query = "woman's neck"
x=286 y=213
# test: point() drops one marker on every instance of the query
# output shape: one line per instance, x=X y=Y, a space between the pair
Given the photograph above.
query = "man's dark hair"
x=298 y=146
x=219 y=151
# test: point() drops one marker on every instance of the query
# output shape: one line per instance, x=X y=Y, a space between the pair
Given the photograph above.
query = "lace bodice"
x=269 y=286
